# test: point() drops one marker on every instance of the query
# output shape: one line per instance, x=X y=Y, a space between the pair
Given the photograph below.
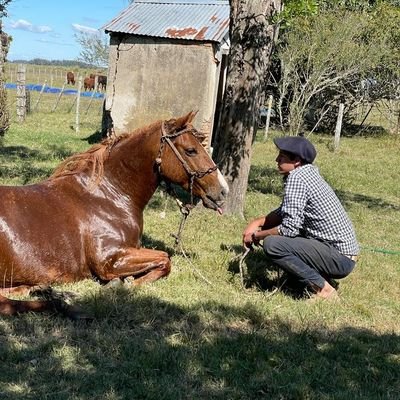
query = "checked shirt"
x=310 y=208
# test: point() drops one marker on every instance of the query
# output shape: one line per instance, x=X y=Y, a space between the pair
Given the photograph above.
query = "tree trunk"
x=252 y=35
x=4 y=114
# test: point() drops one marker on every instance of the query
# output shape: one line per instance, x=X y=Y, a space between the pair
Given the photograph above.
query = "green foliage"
x=3 y=7
x=296 y=8
x=95 y=48
x=324 y=60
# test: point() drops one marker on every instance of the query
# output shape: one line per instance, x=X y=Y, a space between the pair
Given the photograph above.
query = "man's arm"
x=261 y=228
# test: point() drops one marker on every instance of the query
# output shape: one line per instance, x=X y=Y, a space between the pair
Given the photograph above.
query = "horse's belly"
x=34 y=254
x=31 y=265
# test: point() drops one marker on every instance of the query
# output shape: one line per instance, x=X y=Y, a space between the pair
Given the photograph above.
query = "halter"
x=166 y=138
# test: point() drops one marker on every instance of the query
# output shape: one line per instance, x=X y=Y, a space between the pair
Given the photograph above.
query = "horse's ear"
x=190 y=116
x=181 y=122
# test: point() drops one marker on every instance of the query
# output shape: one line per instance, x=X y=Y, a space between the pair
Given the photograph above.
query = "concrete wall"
x=151 y=79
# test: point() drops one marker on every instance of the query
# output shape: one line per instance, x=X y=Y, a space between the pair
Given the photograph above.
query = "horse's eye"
x=191 y=152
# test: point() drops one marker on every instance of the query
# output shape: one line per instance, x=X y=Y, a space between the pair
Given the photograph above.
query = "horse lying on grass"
x=86 y=220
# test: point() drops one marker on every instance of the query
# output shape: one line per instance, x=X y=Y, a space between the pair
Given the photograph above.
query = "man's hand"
x=249 y=239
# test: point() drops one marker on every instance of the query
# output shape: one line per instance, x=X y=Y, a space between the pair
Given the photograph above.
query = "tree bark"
x=252 y=36
x=4 y=44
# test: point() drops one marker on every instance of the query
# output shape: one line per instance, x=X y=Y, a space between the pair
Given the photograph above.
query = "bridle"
x=167 y=138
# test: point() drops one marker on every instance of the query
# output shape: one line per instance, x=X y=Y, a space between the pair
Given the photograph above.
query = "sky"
x=46 y=28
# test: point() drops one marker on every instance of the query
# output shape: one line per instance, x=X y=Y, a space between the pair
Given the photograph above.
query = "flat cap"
x=298 y=145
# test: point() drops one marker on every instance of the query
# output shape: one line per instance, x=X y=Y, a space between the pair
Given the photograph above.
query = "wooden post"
x=338 y=126
x=40 y=95
x=91 y=99
x=78 y=98
x=268 y=117
x=58 y=98
x=28 y=100
x=21 y=93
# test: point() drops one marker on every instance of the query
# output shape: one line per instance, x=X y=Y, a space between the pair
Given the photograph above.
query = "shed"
x=166 y=59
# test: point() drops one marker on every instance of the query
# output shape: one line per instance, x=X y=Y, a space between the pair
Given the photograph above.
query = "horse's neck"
x=131 y=167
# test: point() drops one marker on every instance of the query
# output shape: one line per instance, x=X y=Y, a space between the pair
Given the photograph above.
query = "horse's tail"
x=50 y=301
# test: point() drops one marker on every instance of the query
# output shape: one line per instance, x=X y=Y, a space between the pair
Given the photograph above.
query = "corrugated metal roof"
x=203 y=20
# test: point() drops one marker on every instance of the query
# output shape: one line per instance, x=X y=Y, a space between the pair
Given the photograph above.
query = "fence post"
x=40 y=95
x=58 y=98
x=28 y=100
x=338 y=126
x=268 y=116
x=21 y=93
x=91 y=99
x=78 y=97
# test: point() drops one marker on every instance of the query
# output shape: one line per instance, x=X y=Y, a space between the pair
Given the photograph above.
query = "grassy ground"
x=184 y=338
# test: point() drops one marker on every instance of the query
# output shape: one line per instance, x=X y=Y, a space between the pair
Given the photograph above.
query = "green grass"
x=183 y=338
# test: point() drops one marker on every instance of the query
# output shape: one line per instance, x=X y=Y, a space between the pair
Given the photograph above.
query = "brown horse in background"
x=86 y=220
x=88 y=83
x=70 y=78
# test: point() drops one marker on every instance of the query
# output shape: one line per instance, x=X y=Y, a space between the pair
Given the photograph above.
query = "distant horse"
x=86 y=220
x=88 y=83
x=102 y=82
x=70 y=78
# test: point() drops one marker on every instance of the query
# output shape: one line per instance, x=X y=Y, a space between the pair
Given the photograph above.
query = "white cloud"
x=58 y=43
x=27 y=26
x=85 y=29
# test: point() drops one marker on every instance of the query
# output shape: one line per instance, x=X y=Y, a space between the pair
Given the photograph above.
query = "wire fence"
x=52 y=95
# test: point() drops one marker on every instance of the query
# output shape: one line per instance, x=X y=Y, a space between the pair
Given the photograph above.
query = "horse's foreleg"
x=12 y=307
x=145 y=265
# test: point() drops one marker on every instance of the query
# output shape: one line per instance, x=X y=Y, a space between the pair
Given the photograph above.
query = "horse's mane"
x=92 y=159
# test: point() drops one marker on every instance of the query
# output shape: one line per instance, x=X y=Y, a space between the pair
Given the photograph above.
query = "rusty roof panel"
x=203 y=20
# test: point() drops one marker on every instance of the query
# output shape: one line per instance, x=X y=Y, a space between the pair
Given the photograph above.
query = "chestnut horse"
x=86 y=220
x=70 y=78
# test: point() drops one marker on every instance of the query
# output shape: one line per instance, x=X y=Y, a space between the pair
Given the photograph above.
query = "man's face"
x=286 y=163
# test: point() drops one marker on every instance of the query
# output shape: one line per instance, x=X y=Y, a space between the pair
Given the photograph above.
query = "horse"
x=88 y=83
x=86 y=220
x=70 y=78
x=102 y=82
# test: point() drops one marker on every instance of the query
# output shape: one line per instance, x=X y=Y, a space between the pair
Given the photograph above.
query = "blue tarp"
x=48 y=89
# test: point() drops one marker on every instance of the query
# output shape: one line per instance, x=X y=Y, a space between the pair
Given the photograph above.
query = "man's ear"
x=298 y=162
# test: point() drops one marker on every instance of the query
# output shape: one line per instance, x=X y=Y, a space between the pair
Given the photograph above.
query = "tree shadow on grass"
x=95 y=137
x=141 y=347
x=15 y=153
x=265 y=180
x=19 y=162
x=367 y=201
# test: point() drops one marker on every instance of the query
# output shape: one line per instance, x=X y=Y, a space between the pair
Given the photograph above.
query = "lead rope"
x=242 y=257
x=185 y=209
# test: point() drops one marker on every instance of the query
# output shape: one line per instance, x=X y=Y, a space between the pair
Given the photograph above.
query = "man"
x=310 y=235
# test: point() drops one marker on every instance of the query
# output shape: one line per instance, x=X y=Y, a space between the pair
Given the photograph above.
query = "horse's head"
x=183 y=160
